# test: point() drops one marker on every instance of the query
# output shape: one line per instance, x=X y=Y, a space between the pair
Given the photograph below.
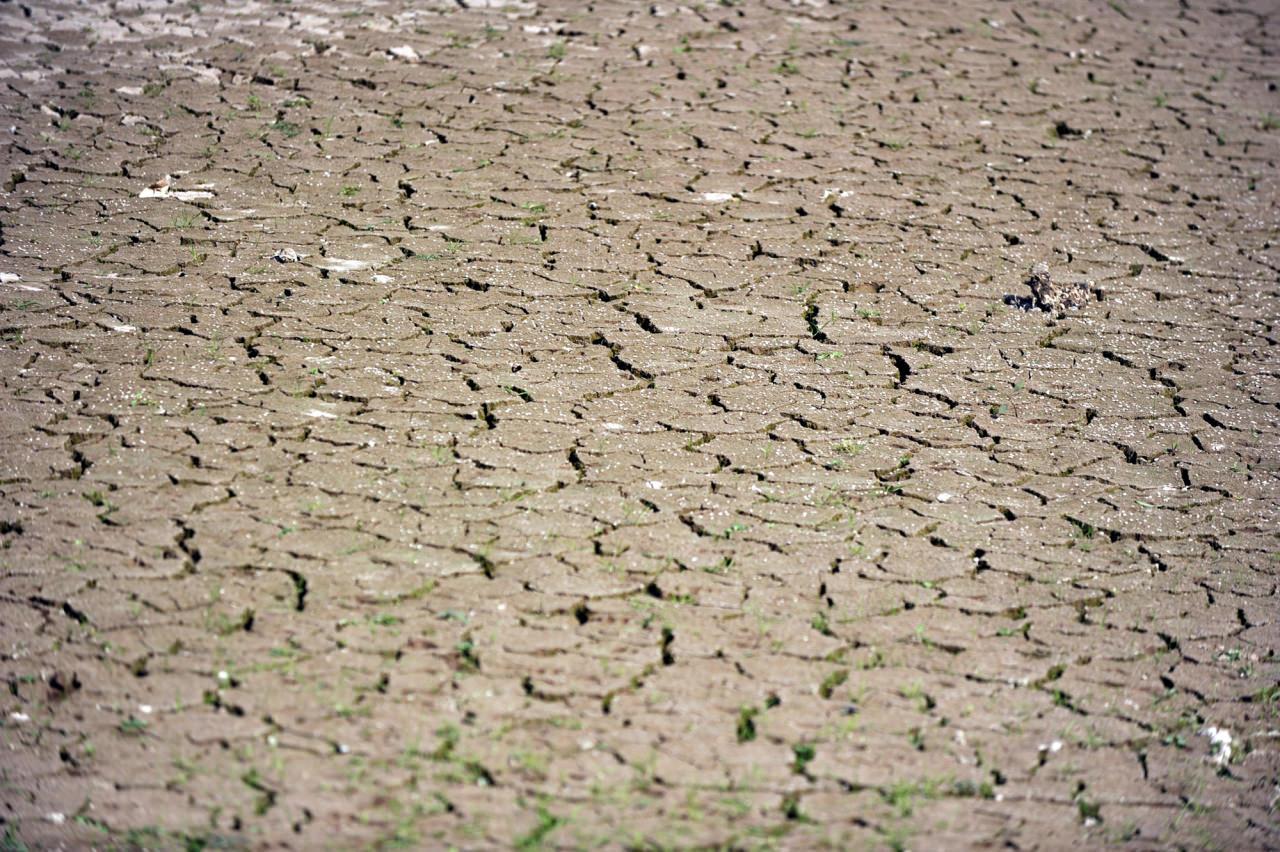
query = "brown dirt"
x=642 y=450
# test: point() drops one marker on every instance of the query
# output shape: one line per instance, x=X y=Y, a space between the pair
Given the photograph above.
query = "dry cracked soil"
x=561 y=424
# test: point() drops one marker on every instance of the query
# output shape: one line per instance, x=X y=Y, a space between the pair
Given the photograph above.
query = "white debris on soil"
x=655 y=484
x=163 y=188
x=57 y=818
x=404 y=52
x=315 y=412
x=945 y=497
x=132 y=91
x=206 y=74
x=1220 y=741
x=124 y=329
x=514 y=5
x=132 y=120
x=19 y=717
x=13 y=278
x=287 y=255
x=716 y=197
x=382 y=279
x=1053 y=747
x=338 y=264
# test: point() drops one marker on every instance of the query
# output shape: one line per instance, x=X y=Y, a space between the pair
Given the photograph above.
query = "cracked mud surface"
x=556 y=425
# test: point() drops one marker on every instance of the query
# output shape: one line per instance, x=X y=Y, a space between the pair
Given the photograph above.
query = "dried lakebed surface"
x=559 y=425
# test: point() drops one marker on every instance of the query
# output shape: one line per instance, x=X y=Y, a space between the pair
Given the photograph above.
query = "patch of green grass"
x=924 y=702
x=536 y=837
x=133 y=726
x=1089 y=811
x=11 y=842
x=904 y=795
x=721 y=567
x=804 y=755
x=831 y=682
x=747 y=724
x=791 y=808
x=468 y=659
x=966 y=789
x=287 y=129
x=1269 y=699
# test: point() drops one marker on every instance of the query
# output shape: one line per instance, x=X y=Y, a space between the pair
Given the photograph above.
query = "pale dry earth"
x=631 y=443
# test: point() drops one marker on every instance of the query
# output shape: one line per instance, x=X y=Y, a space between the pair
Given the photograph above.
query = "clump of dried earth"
x=554 y=424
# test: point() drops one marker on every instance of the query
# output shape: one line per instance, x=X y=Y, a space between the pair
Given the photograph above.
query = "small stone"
x=287 y=255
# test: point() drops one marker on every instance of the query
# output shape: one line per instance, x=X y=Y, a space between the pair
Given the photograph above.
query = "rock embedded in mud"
x=1056 y=296
x=287 y=255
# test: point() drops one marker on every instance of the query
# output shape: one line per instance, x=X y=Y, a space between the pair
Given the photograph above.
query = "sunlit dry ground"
x=567 y=424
